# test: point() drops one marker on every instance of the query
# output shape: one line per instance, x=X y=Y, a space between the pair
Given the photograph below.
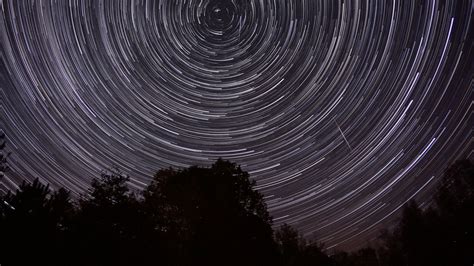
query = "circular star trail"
x=341 y=110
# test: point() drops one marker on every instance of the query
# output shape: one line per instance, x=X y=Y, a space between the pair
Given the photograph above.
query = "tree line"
x=212 y=216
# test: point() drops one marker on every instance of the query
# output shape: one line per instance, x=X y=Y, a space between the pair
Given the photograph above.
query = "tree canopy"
x=441 y=235
x=213 y=216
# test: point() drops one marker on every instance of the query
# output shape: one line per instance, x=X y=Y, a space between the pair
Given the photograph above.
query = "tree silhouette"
x=290 y=244
x=413 y=232
x=194 y=216
x=297 y=251
x=213 y=216
x=33 y=222
x=108 y=225
x=363 y=257
x=443 y=235
x=455 y=202
x=217 y=216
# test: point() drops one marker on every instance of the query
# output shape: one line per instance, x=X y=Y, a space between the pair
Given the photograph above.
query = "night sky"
x=341 y=110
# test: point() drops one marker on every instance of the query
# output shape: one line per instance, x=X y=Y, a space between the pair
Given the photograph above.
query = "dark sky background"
x=341 y=110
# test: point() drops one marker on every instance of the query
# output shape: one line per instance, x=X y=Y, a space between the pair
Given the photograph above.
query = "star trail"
x=341 y=110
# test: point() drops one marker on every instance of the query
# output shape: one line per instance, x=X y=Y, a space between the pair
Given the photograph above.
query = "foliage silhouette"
x=363 y=257
x=33 y=220
x=443 y=235
x=213 y=216
x=296 y=250
x=108 y=227
x=455 y=202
